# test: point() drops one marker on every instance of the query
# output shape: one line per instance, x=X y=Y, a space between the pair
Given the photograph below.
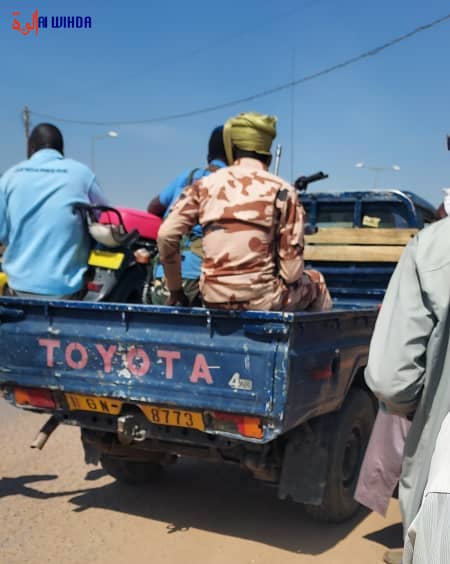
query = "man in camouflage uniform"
x=252 y=230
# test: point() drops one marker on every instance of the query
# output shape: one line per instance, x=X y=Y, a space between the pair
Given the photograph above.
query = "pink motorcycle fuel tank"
x=146 y=223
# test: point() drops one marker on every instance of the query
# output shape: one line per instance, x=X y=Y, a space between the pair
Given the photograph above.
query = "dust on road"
x=55 y=509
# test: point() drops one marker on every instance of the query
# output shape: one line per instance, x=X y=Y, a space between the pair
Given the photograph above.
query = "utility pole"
x=26 y=124
x=96 y=138
x=292 y=115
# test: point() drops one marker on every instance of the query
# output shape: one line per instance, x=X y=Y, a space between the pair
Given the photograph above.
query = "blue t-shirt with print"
x=47 y=242
x=191 y=263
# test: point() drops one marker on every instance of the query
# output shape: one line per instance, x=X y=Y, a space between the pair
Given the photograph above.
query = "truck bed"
x=282 y=367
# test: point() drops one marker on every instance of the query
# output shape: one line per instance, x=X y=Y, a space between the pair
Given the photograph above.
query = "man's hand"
x=156 y=207
x=177 y=297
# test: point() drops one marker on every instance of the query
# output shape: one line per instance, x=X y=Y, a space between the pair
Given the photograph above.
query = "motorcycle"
x=121 y=264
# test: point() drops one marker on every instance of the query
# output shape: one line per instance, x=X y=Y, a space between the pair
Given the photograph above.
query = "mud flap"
x=304 y=470
x=91 y=452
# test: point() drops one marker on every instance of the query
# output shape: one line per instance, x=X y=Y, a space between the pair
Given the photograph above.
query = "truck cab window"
x=387 y=214
x=335 y=214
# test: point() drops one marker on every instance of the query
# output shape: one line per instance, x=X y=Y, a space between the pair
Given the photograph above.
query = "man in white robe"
x=409 y=359
x=428 y=537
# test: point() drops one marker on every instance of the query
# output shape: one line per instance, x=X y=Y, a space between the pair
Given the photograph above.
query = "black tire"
x=130 y=471
x=347 y=444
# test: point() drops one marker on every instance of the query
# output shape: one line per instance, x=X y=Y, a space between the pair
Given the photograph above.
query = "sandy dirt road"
x=55 y=509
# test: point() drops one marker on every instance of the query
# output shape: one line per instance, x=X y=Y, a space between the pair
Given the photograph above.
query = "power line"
x=211 y=45
x=230 y=37
x=279 y=88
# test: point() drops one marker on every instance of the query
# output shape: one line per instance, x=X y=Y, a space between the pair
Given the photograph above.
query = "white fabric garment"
x=446 y=200
x=409 y=358
x=382 y=464
x=428 y=537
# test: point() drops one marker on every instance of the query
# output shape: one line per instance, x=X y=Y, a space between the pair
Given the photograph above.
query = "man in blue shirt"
x=192 y=250
x=47 y=243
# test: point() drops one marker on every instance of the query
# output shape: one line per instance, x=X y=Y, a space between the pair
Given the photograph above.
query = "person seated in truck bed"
x=252 y=226
x=191 y=255
x=47 y=243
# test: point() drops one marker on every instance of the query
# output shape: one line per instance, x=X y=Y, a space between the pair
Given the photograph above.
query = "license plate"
x=173 y=417
x=106 y=259
x=155 y=414
x=77 y=402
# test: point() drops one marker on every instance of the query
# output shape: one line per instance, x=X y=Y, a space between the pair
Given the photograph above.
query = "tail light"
x=34 y=397
x=94 y=287
x=245 y=425
x=142 y=256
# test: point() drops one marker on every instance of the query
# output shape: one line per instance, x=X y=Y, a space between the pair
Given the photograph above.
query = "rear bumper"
x=111 y=423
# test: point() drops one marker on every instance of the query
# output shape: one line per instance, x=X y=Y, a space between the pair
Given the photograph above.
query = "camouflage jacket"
x=252 y=234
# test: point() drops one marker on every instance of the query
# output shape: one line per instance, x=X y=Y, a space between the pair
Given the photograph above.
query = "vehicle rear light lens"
x=34 y=397
x=94 y=287
x=245 y=425
x=142 y=256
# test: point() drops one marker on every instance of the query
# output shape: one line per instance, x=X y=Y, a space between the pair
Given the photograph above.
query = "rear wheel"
x=130 y=471
x=347 y=444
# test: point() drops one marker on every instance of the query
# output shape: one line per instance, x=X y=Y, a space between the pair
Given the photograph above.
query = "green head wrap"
x=251 y=132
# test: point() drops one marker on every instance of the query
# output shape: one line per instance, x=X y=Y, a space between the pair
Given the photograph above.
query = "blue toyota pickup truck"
x=281 y=394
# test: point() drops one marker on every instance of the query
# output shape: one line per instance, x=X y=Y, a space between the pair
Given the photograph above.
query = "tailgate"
x=181 y=357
